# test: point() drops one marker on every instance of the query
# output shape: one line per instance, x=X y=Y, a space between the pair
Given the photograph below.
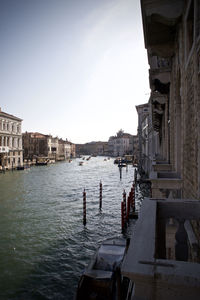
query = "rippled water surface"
x=44 y=246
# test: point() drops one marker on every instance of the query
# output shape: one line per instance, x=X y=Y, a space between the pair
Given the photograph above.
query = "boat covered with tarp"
x=102 y=279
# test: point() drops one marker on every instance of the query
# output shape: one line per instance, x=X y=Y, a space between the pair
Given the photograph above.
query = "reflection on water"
x=43 y=245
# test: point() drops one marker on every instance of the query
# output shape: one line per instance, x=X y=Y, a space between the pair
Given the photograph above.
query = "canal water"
x=44 y=246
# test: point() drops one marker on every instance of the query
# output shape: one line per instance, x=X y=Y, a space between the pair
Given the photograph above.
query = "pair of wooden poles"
x=128 y=207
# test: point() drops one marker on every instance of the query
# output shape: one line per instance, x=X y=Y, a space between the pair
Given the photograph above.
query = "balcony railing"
x=162 y=259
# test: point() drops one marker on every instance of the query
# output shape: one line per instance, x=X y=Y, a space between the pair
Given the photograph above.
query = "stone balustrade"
x=156 y=275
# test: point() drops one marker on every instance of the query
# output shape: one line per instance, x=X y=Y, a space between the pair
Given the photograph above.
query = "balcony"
x=160 y=68
x=163 y=256
x=161 y=166
x=164 y=180
x=159 y=22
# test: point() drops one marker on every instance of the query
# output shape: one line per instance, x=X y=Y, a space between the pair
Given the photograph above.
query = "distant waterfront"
x=43 y=246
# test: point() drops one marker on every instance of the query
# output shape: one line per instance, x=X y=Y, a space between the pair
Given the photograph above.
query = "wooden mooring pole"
x=124 y=200
x=100 y=195
x=128 y=207
x=133 y=197
x=120 y=172
x=134 y=213
x=122 y=216
x=84 y=207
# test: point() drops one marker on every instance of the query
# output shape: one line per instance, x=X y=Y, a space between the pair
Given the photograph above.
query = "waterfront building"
x=65 y=150
x=111 y=145
x=40 y=145
x=73 y=149
x=35 y=144
x=121 y=144
x=92 y=148
x=134 y=145
x=163 y=259
x=11 y=153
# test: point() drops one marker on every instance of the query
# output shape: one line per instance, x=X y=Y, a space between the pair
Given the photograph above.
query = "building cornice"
x=5 y=115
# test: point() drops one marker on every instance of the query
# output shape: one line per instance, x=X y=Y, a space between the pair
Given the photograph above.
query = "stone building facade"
x=122 y=144
x=11 y=153
x=92 y=148
x=40 y=145
x=143 y=126
x=166 y=264
x=174 y=76
x=35 y=144
x=66 y=150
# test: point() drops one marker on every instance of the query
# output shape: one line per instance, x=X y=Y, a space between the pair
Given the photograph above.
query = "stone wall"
x=190 y=138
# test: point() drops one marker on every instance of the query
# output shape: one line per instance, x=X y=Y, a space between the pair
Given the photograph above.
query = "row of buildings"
x=163 y=260
x=119 y=145
x=36 y=144
x=16 y=147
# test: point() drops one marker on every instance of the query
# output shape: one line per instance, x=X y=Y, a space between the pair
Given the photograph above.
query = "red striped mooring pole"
x=124 y=200
x=128 y=207
x=84 y=207
x=122 y=215
x=133 y=198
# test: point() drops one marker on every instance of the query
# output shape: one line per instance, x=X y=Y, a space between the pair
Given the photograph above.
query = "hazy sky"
x=73 y=68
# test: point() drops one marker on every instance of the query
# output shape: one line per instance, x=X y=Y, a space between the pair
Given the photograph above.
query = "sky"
x=75 y=69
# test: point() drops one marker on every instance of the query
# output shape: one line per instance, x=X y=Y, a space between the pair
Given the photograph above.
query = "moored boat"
x=121 y=165
x=102 y=279
x=42 y=161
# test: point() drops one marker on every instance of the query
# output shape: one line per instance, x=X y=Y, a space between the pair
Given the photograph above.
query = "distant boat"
x=42 y=161
x=120 y=165
x=102 y=279
x=24 y=167
x=19 y=168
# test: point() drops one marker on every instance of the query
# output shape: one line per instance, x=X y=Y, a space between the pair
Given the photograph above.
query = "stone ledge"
x=166 y=183
x=162 y=167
